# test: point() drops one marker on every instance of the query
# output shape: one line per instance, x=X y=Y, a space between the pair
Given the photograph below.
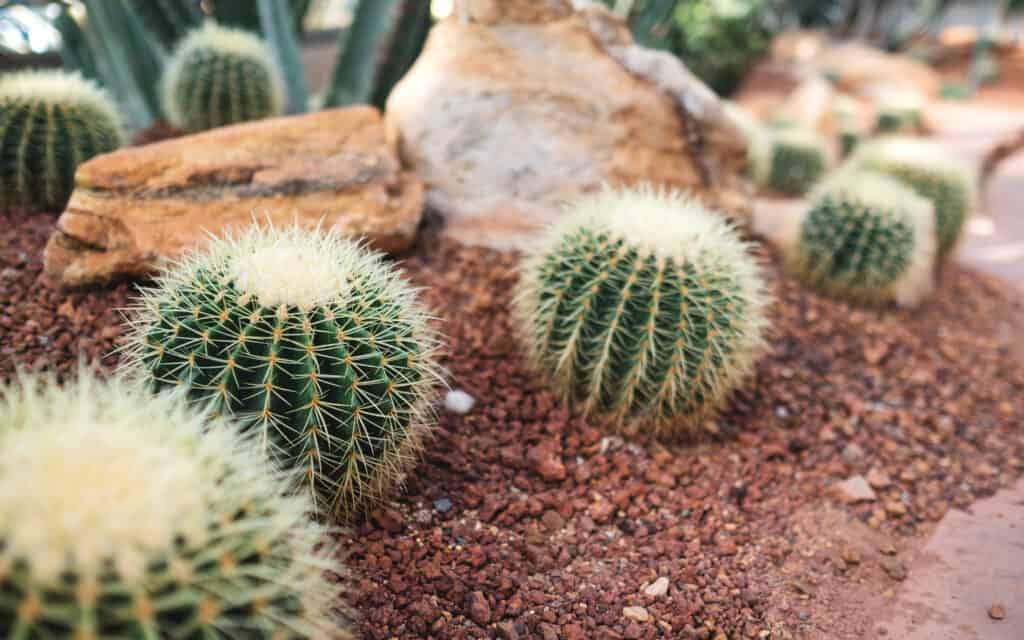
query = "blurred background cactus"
x=934 y=173
x=218 y=76
x=312 y=341
x=136 y=517
x=864 y=237
x=50 y=122
x=643 y=307
x=789 y=160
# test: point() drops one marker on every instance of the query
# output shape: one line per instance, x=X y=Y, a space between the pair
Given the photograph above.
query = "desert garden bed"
x=523 y=521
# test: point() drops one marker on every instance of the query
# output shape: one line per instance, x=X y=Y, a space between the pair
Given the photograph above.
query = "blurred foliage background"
x=372 y=43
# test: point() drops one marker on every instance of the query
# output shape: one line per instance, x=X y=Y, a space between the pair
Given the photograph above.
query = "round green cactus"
x=307 y=338
x=749 y=127
x=790 y=160
x=50 y=122
x=129 y=516
x=865 y=237
x=644 y=308
x=899 y=110
x=219 y=76
x=934 y=173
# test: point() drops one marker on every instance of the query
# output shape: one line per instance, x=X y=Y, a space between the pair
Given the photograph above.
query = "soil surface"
x=525 y=522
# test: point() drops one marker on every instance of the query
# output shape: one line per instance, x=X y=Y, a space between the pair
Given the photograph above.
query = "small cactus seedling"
x=50 y=122
x=934 y=173
x=219 y=76
x=129 y=516
x=865 y=237
x=307 y=338
x=644 y=308
x=790 y=160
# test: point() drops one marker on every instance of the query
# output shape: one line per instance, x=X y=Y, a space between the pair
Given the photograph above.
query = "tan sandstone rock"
x=134 y=207
x=516 y=107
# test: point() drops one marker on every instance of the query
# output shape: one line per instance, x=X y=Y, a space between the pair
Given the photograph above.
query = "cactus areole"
x=306 y=337
x=643 y=307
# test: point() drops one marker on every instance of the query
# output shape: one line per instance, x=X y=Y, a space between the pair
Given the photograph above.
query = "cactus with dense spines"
x=308 y=339
x=934 y=173
x=864 y=237
x=129 y=516
x=643 y=308
x=790 y=160
x=50 y=122
x=219 y=76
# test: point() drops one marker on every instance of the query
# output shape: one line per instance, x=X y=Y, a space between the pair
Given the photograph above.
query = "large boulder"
x=516 y=107
x=133 y=208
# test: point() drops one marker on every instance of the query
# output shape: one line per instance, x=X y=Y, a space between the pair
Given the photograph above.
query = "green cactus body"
x=308 y=339
x=50 y=122
x=899 y=110
x=931 y=171
x=129 y=516
x=643 y=307
x=219 y=76
x=865 y=237
x=790 y=160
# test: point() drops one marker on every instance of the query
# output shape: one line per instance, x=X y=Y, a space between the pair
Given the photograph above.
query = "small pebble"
x=997 y=611
x=637 y=614
x=657 y=588
x=458 y=401
x=442 y=505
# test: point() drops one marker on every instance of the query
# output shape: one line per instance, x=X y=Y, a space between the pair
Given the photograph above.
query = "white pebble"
x=658 y=588
x=458 y=401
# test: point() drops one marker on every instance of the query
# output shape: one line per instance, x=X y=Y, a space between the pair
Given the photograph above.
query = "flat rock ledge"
x=134 y=208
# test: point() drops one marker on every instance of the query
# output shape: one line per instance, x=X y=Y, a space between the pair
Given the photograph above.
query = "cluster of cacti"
x=643 y=307
x=219 y=76
x=864 y=237
x=790 y=160
x=124 y=516
x=308 y=339
x=934 y=173
x=50 y=122
x=899 y=110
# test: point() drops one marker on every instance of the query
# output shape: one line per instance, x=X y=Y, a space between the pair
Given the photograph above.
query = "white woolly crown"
x=94 y=472
x=58 y=88
x=290 y=266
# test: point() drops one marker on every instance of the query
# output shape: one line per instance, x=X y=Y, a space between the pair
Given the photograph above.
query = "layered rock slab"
x=516 y=108
x=136 y=207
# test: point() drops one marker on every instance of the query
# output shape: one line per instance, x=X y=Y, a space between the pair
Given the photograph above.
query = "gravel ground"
x=524 y=522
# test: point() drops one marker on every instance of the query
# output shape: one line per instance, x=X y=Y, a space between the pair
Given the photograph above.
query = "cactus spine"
x=643 y=307
x=931 y=171
x=126 y=516
x=311 y=341
x=219 y=76
x=865 y=237
x=789 y=160
x=50 y=122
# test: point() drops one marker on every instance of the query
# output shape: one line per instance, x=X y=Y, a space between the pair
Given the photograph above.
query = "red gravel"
x=522 y=522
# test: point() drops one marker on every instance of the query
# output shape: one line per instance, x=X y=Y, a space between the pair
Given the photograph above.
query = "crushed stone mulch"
x=525 y=522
